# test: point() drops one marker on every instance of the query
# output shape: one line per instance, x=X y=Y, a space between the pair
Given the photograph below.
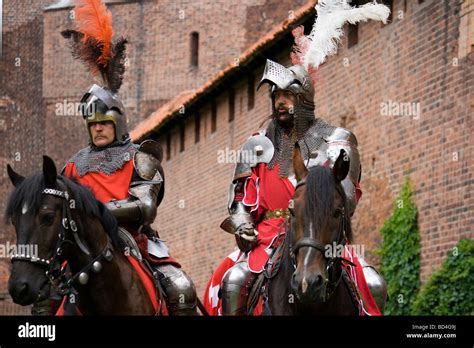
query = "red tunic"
x=104 y=187
x=266 y=190
x=115 y=186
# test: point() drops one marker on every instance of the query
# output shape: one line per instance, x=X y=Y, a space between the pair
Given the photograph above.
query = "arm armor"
x=146 y=189
x=238 y=213
x=257 y=149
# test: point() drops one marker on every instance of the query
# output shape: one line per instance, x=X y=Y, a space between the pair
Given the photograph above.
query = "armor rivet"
x=96 y=266
x=258 y=150
x=83 y=278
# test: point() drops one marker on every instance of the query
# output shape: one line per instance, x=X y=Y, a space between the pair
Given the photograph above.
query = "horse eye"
x=337 y=213
x=48 y=219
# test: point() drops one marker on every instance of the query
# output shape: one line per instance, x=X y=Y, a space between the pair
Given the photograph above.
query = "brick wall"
x=414 y=59
x=21 y=106
x=33 y=88
x=411 y=60
x=158 y=56
x=424 y=58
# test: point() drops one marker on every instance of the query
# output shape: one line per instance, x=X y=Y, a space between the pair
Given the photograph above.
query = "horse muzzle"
x=25 y=290
x=21 y=292
x=309 y=288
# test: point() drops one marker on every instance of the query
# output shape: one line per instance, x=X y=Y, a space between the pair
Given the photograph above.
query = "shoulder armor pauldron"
x=147 y=161
x=257 y=149
x=343 y=135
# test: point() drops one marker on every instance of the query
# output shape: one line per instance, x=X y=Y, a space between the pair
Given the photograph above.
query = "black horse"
x=66 y=222
x=309 y=280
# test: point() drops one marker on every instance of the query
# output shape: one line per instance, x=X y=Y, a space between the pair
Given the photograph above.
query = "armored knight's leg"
x=376 y=284
x=179 y=289
x=236 y=285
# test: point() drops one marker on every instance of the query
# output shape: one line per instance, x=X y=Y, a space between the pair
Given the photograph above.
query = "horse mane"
x=30 y=192
x=320 y=189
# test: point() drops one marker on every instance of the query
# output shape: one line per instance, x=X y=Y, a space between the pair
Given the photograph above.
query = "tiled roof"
x=171 y=109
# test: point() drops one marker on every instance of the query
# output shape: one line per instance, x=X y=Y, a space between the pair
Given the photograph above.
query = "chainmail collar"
x=105 y=160
x=309 y=136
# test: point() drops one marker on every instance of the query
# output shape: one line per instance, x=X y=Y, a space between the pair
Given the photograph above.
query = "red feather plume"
x=95 y=22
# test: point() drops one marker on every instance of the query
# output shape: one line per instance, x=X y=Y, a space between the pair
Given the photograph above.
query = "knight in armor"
x=126 y=177
x=264 y=182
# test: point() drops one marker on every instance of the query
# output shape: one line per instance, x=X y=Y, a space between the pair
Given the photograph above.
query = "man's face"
x=103 y=133
x=284 y=106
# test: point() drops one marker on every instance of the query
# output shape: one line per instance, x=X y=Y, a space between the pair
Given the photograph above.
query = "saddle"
x=147 y=274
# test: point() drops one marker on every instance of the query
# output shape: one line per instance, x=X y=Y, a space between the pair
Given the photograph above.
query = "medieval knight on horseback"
x=263 y=184
x=126 y=177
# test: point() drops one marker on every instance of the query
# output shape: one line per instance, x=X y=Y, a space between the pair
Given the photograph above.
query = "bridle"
x=312 y=242
x=55 y=272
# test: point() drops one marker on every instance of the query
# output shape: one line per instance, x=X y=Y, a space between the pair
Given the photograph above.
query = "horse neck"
x=110 y=290
x=92 y=234
x=281 y=300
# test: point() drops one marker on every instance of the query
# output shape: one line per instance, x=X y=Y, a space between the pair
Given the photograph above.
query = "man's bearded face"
x=284 y=106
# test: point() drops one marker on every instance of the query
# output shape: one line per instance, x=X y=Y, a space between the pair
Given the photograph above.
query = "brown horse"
x=65 y=222
x=310 y=281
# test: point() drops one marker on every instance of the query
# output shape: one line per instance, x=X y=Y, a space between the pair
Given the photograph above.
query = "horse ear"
x=298 y=164
x=49 y=171
x=15 y=178
x=341 y=167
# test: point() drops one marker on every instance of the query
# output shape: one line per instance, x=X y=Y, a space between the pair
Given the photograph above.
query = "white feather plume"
x=327 y=29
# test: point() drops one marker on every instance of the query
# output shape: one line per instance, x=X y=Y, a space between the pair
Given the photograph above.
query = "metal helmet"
x=99 y=105
x=294 y=79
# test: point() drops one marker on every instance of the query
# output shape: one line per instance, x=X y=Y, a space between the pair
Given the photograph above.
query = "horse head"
x=49 y=214
x=36 y=219
x=320 y=224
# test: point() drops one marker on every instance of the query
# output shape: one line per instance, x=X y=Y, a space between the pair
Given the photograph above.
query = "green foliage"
x=450 y=290
x=400 y=254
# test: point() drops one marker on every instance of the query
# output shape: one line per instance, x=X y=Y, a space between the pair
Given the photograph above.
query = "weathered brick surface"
x=21 y=105
x=411 y=60
x=158 y=69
